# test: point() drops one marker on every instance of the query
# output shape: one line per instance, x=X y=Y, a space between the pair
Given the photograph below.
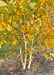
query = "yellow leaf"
x=52 y=54
x=20 y=3
x=21 y=57
x=43 y=1
x=50 y=58
x=3 y=24
x=11 y=73
x=46 y=56
x=32 y=21
x=33 y=67
x=14 y=42
x=53 y=51
x=52 y=28
x=47 y=46
x=18 y=13
x=0 y=45
x=47 y=50
x=11 y=68
x=42 y=49
x=34 y=26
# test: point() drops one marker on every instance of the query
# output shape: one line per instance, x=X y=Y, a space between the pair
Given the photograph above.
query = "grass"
x=6 y=50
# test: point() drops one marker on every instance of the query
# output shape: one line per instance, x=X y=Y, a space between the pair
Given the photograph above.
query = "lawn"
x=8 y=51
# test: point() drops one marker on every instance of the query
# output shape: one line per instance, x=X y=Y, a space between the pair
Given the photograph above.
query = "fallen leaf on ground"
x=11 y=73
x=22 y=72
x=5 y=65
x=11 y=68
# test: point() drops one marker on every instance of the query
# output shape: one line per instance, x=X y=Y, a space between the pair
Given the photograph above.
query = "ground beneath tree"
x=39 y=66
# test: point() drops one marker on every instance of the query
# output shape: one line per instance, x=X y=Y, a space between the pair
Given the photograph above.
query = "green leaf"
x=34 y=0
x=2 y=3
x=27 y=7
x=10 y=55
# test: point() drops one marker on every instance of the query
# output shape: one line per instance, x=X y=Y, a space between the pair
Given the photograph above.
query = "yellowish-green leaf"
x=0 y=45
x=9 y=28
x=32 y=5
x=2 y=3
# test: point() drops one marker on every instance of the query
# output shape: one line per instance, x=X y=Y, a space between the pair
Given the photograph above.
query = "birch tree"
x=29 y=23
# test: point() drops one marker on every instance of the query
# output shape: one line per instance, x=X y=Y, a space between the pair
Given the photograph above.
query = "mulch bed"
x=39 y=66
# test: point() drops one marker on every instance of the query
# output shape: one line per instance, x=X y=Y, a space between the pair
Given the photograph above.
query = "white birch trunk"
x=21 y=54
x=24 y=65
x=29 y=64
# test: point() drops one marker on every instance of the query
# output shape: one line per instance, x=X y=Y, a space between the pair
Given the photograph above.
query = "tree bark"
x=29 y=64
x=21 y=54
x=24 y=66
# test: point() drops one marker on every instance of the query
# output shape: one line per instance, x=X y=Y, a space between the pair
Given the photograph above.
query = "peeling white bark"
x=29 y=64
x=24 y=65
x=30 y=61
x=21 y=54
